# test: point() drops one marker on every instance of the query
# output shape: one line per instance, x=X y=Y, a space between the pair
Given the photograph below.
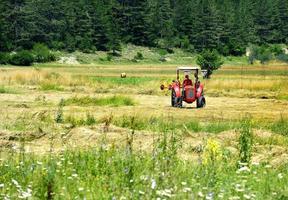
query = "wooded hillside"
x=226 y=25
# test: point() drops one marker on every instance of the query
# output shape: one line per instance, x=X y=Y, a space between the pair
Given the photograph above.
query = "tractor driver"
x=186 y=81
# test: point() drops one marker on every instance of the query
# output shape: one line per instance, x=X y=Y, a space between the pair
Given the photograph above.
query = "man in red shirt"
x=187 y=81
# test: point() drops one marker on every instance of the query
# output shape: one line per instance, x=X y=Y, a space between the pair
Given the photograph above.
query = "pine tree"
x=207 y=26
x=112 y=27
x=162 y=23
x=283 y=15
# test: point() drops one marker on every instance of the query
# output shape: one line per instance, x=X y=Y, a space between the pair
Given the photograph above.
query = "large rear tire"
x=201 y=102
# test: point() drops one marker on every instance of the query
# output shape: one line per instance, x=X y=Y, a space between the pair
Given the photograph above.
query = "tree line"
x=227 y=26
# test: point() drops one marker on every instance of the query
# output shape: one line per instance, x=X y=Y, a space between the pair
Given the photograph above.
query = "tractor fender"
x=199 y=91
x=177 y=90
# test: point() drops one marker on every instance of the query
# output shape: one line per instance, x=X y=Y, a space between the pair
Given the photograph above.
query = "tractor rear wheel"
x=201 y=102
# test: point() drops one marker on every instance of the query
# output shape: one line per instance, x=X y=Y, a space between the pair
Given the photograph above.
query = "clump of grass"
x=5 y=90
x=280 y=126
x=106 y=101
x=50 y=87
x=88 y=121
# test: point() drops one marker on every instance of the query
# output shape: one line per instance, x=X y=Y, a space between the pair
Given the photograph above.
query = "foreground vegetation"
x=108 y=172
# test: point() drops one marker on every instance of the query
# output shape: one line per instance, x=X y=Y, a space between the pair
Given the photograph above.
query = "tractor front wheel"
x=201 y=102
x=173 y=98
x=175 y=101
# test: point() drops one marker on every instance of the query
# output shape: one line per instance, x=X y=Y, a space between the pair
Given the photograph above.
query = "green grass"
x=88 y=121
x=115 y=173
x=6 y=90
x=51 y=87
x=280 y=126
x=105 y=101
x=159 y=124
x=117 y=81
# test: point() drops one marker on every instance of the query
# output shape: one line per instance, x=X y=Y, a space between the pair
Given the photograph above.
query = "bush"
x=276 y=49
x=4 y=58
x=210 y=61
x=42 y=53
x=139 y=56
x=282 y=57
x=22 y=58
x=261 y=53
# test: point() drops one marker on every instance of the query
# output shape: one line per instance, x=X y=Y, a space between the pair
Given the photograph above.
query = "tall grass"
x=92 y=101
x=115 y=173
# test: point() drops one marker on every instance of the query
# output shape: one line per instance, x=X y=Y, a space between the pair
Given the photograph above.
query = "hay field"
x=86 y=114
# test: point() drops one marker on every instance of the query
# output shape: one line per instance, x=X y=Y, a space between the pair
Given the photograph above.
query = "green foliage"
x=42 y=54
x=136 y=173
x=210 y=61
x=22 y=58
x=87 y=26
x=276 y=49
x=282 y=57
x=261 y=53
x=245 y=141
x=4 y=58
x=139 y=56
x=92 y=101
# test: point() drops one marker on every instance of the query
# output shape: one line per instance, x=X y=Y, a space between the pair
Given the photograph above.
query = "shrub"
x=282 y=57
x=210 y=61
x=276 y=49
x=22 y=58
x=4 y=58
x=263 y=54
x=139 y=56
x=42 y=53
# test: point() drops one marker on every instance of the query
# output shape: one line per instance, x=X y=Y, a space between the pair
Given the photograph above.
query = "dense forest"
x=89 y=25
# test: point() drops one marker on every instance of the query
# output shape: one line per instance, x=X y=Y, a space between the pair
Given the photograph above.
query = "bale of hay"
x=123 y=75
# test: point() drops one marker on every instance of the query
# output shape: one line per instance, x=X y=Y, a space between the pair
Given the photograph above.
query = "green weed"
x=245 y=141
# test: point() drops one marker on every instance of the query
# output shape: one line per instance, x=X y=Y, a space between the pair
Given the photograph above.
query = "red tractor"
x=186 y=91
